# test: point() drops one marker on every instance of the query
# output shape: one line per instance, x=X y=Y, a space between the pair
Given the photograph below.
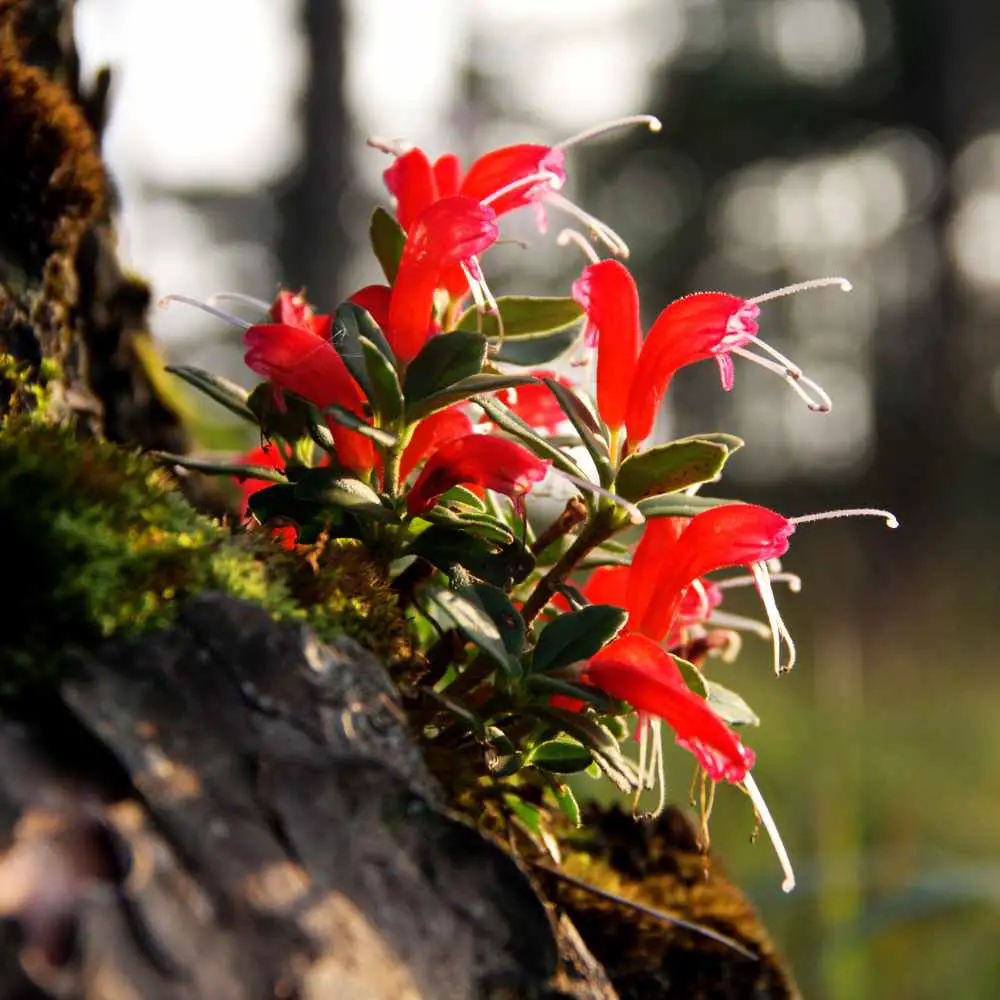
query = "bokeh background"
x=801 y=138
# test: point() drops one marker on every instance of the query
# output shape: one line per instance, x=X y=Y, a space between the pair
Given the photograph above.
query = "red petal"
x=608 y=585
x=410 y=181
x=447 y=232
x=268 y=456
x=607 y=292
x=491 y=462
x=292 y=309
x=535 y=403
x=448 y=175
x=430 y=434
x=500 y=167
x=296 y=360
x=374 y=298
x=688 y=330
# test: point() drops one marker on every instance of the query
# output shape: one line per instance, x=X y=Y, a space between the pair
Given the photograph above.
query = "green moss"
x=99 y=543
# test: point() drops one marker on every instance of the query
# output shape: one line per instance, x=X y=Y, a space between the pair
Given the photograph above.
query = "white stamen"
x=481 y=294
x=779 y=631
x=601 y=230
x=547 y=176
x=660 y=772
x=567 y=236
x=651 y=121
x=760 y=806
x=829 y=515
x=205 y=307
x=249 y=300
x=725 y=619
x=393 y=147
x=802 y=286
x=635 y=515
x=819 y=401
x=793 y=580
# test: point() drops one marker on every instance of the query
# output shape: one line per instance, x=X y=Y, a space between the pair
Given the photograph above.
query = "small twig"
x=574 y=513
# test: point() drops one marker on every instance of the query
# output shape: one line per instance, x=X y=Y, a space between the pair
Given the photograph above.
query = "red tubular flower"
x=635 y=669
x=535 y=403
x=292 y=358
x=479 y=459
x=608 y=294
x=448 y=231
x=266 y=456
x=291 y=309
x=374 y=298
x=431 y=433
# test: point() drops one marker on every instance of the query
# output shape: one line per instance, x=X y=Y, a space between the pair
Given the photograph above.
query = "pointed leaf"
x=386 y=396
x=680 y=505
x=693 y=677
x=330 y=486
x=468 y=615
x=444 y=547
x=462 y=495
x=730 y=707
x=577 y=635
x=601 y=743
x=443 y=361
x=387 y=239
x=266 y=472
x=482 y=526
x=465 y=388
x=587 y=427
x=535 y=330
x=543 y=684
x=667 y=468
x=226 y=393
x=505 y=616
x=563 y=755
x=353 y=422
x=350 y=323
x=567 y=803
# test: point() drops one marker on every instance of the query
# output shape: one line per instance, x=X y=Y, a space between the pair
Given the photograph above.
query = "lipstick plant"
x=418 y=420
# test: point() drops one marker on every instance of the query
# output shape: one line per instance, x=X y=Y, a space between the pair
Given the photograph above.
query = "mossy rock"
x=99 y=542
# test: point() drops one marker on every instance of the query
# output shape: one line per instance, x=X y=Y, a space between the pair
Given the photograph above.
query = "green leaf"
x=241 y=472
x=463 y=496
x=535 y=330
x=444 y=547
x=587 y=426
x=693 y=677
x=577 y=635
x=543 y=684
x=567 y=803
x=228 y=394
x=387 y=239
x=601 y=743
x=502 y=757
x=504 y=615
x=330 y=486
x=507 y=420
x=385 y=393
x=353 y=422
x=680 y=505
x=528 y=813
x=481 y=525
x=730 y=442
x=444 y=360
x=467 y=614
x=667 y=468
x=563 y=755
x=730 y=707
x=466 y=388
x=350 y=323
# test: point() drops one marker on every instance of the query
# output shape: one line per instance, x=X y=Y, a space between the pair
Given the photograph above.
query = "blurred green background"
x=801 y=138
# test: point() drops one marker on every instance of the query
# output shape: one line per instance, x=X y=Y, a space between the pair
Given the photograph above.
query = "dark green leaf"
x=505 y=616
x=508 y=421
x=388 y=239
x=353 y=422
x=502 y=757
x=386 y=396
x=467 y=388
x=680 y=505
x=444 y=360
x=290 y=422
x=463 y=496
x=563 y=755
x=330 y=486
x=543 y=684
x=693 y=677
x=730 y=707
x=500 y=565
x=601 y=743
x=281 y=501
x=228 y=394
x=590 y=431
x=535 y=330
x=350 y=323
x=467 y=614
x=577 y=635
x=481 y=525
x=667 y=468
x=240 y=472
x=567 y=803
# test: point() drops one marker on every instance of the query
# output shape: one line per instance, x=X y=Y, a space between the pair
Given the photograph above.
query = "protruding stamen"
x=650 y=121
x=726 y=619
x=248 y=300
x=813 y=394
x=779 y=631
x=829 y=515
x=661 y=778
x=793 y=580
x=393 y=147
x=802 y=286
x=601 y=230
x=205 y=307
x=481 y=294
x=542 y=176
x=635 y=515
x=760 y=807
x=567 y=236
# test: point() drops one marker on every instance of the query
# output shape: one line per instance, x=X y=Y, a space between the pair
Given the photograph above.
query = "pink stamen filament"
x=760 y=807
x=819 y=401
x=650 y=121
x=567 y=236
x=547 y=176
x=601 y=230
x=830 y=515
x=779 y=631
x=205 y=307
x=248 y=300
